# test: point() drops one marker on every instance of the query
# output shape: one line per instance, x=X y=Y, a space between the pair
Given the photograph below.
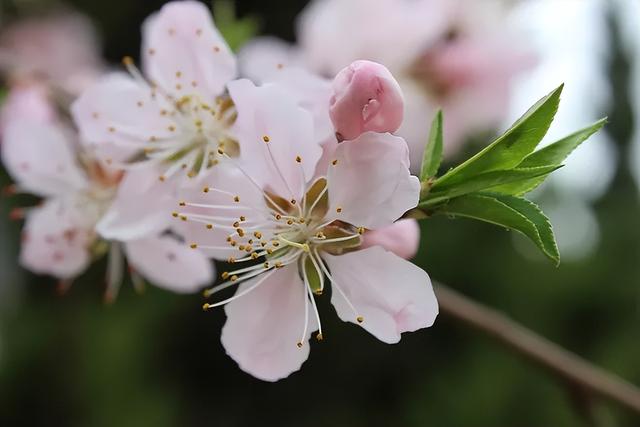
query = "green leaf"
x=485 y=181
x=511 y=212
x=235 y=31
x=514 y=145
x=433 y=151
x=553 y=154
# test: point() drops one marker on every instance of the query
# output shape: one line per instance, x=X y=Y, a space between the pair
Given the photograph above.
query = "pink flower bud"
x=365 y=98
x=402 y=238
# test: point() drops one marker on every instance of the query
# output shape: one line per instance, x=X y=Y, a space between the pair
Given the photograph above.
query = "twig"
x=561 y=362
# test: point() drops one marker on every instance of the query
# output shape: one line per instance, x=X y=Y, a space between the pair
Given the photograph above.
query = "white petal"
x=40 y=158
x=169 y=264
x=181 y=46
x=55 y=242
x=264 y=326
x=142 y=207
x=370 y=184
x=263 y=57
x=122 y=114
x=271 y=113
x=391 y=294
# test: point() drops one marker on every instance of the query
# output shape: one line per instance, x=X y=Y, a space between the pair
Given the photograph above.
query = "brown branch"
x=570 y=367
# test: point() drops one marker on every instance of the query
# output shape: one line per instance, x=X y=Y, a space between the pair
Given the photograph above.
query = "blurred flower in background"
x=454 y=55
x=60 y=49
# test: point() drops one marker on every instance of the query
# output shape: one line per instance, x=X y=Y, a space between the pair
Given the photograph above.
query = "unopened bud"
x=366 y=97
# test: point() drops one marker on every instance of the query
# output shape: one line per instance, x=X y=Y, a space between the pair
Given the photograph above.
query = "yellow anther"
x=209 y=226
x=225 y=275
x=279 y=264
x=361 y=230
x=248 y=249
x=139 y=103
x=220 y=151
x=205 y=190
x=360 y=319
x=234 y=278
x=266 y=265
x=231 y=260
x=298 y=159
x=229 y=239
x=269 y=251
x=257 y=234
x=254 y=255
x=299 y=344
x=111 y=129
x=319 y=337
x=275 y=243
x=162 y=178
x=241 y=248
x=266 y=138
x=293 y=201
x=172 y=128
x=206 y=306
x=182 y=203
x=233 y=243
x=338 y=209
x=183 y=217
x=174 y=214
x=236 y=224
x=289 y=222
x=178 y=74
x=193 y=246
x=236 y=199
x=240 y=232
x=278 y=217
x=243 y=218
x=334 y=162
x=318 y=292
x=127 y=60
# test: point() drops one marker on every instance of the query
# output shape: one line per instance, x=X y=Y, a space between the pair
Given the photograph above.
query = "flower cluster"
x=298 y=184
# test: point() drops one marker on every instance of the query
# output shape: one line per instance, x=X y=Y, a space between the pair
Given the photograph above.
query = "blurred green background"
x=156 y=359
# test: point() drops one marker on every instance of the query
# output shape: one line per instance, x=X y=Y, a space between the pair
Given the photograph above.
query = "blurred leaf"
x=235 y=31
x=553 y=154
x=511 y=212
x=433 y=151
x=513 y=146
x=485 y=181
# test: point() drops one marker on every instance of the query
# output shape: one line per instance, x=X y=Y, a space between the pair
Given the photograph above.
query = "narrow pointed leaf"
x=514 y=145
x=486 y=181
x=510 y=212
x=553 y=154
x=433 y=151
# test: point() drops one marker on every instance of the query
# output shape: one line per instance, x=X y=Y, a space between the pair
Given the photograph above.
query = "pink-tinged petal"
x=334 y=33
x=225 y=183
x=27 y=102
x=369 y=183
x=391 y=294
x=274 y=132
x=141 y=208
x=123 y=114
x=55 y=242
x=169 y=264
x=366 y=97
x=40 y=158
x=264 y=326
x=262 y=58
x=402 y=238
x=61 y=49
x=183 y=50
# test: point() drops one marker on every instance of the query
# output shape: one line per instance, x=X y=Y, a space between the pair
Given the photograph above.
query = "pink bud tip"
x=366 y=97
